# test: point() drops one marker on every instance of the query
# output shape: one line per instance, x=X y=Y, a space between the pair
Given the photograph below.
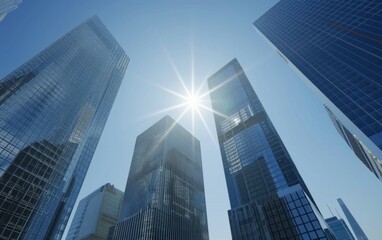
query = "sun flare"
x=193 y=101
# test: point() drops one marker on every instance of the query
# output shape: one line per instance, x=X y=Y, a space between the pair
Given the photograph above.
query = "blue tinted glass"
x=337 y=46
x=262 y=179
x=52 y=113
x=164 y=194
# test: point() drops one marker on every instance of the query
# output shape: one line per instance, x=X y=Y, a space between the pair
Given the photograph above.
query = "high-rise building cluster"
x=54 y=107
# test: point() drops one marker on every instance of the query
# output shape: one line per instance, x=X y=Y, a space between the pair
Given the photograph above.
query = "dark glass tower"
x=164 y=197
x=358 y=232
x=336 y=48
x=52 y=113
x=269 y=199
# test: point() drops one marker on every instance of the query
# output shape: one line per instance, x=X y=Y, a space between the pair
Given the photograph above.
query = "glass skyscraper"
x=335 y=47
x=96 y=213
x=269 y=199
x=339 y=228
x=164 y=197
x=358 y=232
x=53 y=109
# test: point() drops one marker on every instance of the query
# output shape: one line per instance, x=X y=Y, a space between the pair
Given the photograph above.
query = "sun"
x=193 y=101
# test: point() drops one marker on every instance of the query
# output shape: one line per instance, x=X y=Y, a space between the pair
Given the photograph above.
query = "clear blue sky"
x=214 y=32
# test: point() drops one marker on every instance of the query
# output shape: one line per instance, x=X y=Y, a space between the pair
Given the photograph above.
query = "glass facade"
x=335 y=46
x=164 y=196
x=53 y=109
x=362 y=152
x=357 y=230
x=96 y=213
x=339 y=228
x=269 y=199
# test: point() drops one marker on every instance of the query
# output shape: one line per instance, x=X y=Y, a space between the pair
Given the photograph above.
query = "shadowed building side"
x=362 y=152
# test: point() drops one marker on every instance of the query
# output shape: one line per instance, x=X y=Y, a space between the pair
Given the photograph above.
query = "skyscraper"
x=358 y=232
x=269 y=199
x=53 y=109
x=164 y=197
x=7 y=6
x=96 y=213
x=339 y=228
x=335 y=47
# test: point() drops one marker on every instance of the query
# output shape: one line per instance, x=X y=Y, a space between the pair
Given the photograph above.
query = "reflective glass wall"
x=269 y=199
x=336 y=48
x=96 y=213
x=53 y=109
x=164 y=196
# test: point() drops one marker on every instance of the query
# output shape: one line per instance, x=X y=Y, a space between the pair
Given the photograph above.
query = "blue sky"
x=212 y=33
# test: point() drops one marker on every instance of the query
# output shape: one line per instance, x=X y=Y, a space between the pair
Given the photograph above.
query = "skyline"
x=301 y=121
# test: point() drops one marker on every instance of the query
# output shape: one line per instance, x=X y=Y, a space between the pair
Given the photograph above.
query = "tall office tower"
x=164 y=197
x=269 y=199
x=96 y=213
x=357 y=230
x=335 y=47
x=339 y=228
x=7 y=6
x=52 y=112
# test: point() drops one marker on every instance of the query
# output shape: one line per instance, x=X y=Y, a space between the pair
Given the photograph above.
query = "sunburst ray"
x=177 y=73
